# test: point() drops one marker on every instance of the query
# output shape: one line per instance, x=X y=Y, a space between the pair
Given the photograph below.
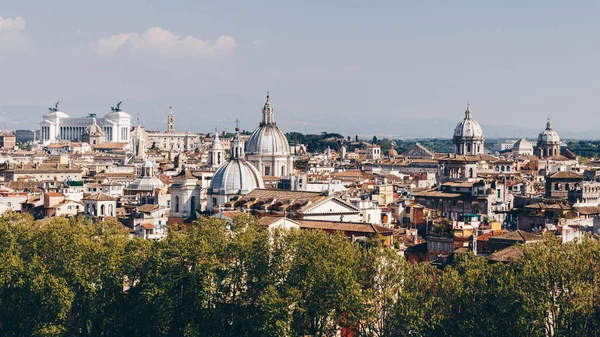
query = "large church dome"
x=237 y=176
x=468 y=128
x=548 y=136
x=268 y=139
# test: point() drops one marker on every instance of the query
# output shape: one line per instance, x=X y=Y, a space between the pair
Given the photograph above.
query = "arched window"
x=471 y=172
x=94 y=210
x=567 y=186
x=283 y=170
x=177 y=204
x=110 y=210
x=557 y=187
x=193 y=205
x=101 y=209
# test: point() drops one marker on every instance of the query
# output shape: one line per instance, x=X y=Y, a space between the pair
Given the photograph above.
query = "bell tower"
x=171 y=121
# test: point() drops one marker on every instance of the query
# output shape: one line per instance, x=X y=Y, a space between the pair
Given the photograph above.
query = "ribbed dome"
x=268 y=139
x=468 y=128
x=236 y=177
x=147 y=181
x=94 y=129
x=523 y=145
x=146 y=184
x=548 y=136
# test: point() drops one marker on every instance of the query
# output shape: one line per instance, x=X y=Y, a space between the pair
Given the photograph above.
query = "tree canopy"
x=78 y=277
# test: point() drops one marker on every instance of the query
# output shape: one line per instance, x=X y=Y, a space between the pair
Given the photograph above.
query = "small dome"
x=94 y=130
x=146 y=184
x=548 y=136
x=468 y=128
x=523 y=145
x=392 y=152
x=236 y=177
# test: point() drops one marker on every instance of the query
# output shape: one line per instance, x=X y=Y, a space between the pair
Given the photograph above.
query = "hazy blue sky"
x=341 y=66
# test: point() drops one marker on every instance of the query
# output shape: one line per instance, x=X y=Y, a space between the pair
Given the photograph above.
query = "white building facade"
x=57 y=125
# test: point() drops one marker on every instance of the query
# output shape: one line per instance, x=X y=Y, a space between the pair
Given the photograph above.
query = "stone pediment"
x=418 y=151
x=331 y=205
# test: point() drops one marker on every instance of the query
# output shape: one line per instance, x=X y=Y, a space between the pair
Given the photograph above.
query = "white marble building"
x=57 y=125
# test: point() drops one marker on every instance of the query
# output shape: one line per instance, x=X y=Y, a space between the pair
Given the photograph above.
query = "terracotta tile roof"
x=148 y=208
x=44 y=168
x=148 y=226
x=518 y=236
x=110 y=146
x=565 y=175
x=348 y=227
x=98 y=197
x=588 y=210
x=544 y=206
x=436 y=194
x=459 y=184
x=269 y=220
x=509 y=254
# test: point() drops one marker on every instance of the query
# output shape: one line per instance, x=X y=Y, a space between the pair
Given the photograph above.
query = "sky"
x=391 y=68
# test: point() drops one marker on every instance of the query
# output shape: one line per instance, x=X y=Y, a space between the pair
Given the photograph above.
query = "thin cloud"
x=12 y=25
x=165 y=43
x=12 y=38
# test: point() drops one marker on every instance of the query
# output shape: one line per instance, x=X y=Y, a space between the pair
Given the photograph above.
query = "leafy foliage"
x=76 y=277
